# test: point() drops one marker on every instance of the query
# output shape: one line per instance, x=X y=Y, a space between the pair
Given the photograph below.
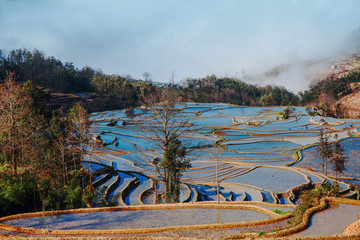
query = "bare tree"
x=13 y=125
x=216 y=154
x=80 y=129
x=164 y=126
x=147 y=77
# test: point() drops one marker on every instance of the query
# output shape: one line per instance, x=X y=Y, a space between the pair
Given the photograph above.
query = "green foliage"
x=74 y=192
x=310 y=111
x=286 y=113
x=331 y=152
x=338 y=158
x=278 y=211
x=114 y=91
x=311 y=198
x=230 y=90
x=324 y=150
x=88 y=195
x=114 y=200
x=45 y=71
x=39 y=152
x=98 y=197
x=74 y=198
x=174 y=164
x=214 y=129
x=18 y=194
x=334 y=88
x=54 y=198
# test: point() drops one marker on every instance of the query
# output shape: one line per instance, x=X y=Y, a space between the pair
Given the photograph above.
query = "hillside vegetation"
x=115 y=91
x=34 y=142
x=336 y=93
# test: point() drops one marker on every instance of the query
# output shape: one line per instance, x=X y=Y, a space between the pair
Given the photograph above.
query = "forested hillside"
x=338 y=92
x=41 y=152
x=100 y=91
x=229 y=90
x=47 y=72
x=115 y=91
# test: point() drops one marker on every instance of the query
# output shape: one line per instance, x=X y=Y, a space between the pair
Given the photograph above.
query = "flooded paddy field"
x=139 y=219
x=262 y=160
x=332 y=221
x=258 y=148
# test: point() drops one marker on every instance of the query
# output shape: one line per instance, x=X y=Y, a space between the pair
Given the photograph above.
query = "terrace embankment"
x=274 y=218
x=61 y=101
x=353 y=228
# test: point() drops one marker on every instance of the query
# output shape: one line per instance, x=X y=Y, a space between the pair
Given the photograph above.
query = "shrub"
x=98 y=200
x=312 y=198
x=88 y=195
x=74 y=193
x=17 y=195
x=278 y=211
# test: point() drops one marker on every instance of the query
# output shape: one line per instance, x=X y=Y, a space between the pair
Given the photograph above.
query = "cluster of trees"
x=324 y=94
x=230 y=90
x=47 y=72
x=114 y=91
x=331 y=152
x=41 y=152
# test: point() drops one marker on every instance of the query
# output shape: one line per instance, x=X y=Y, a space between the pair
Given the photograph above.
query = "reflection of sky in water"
x=276 y=180
x=133 y=197
x=139 y=219
x=212 y=121
x=268 y=144
x=124 y=180
x=195 y=109
x=324 y=222
x=351 y=147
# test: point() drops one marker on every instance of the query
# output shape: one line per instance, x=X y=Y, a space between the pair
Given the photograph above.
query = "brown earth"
x=352 y=228
x=349 y=105
x=61 y=102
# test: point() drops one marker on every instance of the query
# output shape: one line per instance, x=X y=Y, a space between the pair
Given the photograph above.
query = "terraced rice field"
x=139 y=219
x=262 y=162
x=256 y=163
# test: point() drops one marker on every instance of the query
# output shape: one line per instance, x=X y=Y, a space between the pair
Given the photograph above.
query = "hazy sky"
x=192 y=38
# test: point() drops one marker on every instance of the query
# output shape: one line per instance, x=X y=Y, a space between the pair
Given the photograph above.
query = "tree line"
x=41 y=152
x=115 y=91
x=230 y=90
x=112 y=91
